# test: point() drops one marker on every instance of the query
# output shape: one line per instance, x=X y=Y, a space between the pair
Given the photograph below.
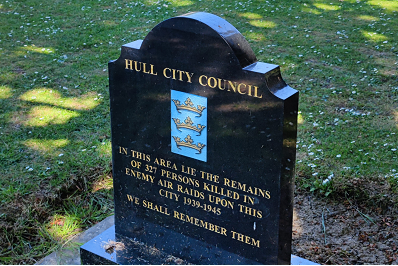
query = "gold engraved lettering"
x=256 y=93
x=221 y=201
x=176 y=74
x=144 y=69
x=165 y=183
x=129 y=64
x=191 y=192
x=210 y=177
x=189 y=76
x=153 y=72
x=250 y=211
x=241 y=84
x=248 y=199
x=221 y=191
x=219 y=84
x=250 y=90
x=231 y=86
x=133 y=199
x=188 y=170
x=139 y=175
x=212 y=82
x=165 y=163
x=200 y=223
x=138 y=66
x=180 y=178
x=140 y=156
x=248 y=189
x=122 y=150
x=164 y=72
x=245 y=239
x=200 y=80
x=155 y=207
x=180 y=75
x=168 y=194
x=135 y=164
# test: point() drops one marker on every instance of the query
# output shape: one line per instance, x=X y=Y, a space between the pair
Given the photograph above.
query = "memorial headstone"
x=203 y=146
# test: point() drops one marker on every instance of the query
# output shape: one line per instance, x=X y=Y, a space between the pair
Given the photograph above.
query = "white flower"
x=338 y=155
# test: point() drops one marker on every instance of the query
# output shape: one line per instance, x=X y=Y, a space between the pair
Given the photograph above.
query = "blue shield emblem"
x=189 y=125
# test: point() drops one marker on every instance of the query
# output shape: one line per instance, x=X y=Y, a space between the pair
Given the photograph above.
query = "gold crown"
x=188 y=143
x=189 y=106
x=188 y=125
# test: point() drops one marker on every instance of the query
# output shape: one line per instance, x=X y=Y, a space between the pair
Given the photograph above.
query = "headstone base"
x=106 y=249
x=110 y=248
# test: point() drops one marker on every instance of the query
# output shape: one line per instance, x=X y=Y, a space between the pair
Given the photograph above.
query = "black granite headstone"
x=203 y=145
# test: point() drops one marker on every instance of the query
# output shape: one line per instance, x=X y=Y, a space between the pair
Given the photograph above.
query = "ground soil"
x=330 y=232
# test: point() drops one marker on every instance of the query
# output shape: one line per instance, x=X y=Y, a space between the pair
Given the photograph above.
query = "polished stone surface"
x=203 y=145
x=70 y=255
x=93 y=252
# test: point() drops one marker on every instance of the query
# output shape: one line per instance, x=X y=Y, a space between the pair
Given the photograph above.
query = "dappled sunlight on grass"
x=263 y=23
x=373 y=36
x=62 y=227
x=255 y=36
x=300 y=119
x=105 y=149
x=250 y=15
x=36 y=49
x=327 y=7
x=104 y=183
x=5 y=92
x=311 y=10
x=368 y=18
x=40 y=116
x=55 y=117
x=391 y=5
x=180 y=3
x=43 y=95
x=7 y=76
x=388 y=65
x=46 y=145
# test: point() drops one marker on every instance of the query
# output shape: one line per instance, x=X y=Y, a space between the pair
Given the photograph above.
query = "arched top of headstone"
x=209 y=35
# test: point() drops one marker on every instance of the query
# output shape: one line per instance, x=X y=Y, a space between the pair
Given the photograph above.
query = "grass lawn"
x=342 y=55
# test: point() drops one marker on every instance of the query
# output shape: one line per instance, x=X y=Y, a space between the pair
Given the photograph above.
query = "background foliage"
x=54 y=121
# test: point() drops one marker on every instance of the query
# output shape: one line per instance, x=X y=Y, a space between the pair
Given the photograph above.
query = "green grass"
x=54 y=121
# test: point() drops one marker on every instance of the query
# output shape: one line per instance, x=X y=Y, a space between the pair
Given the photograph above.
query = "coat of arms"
x=189 y=125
